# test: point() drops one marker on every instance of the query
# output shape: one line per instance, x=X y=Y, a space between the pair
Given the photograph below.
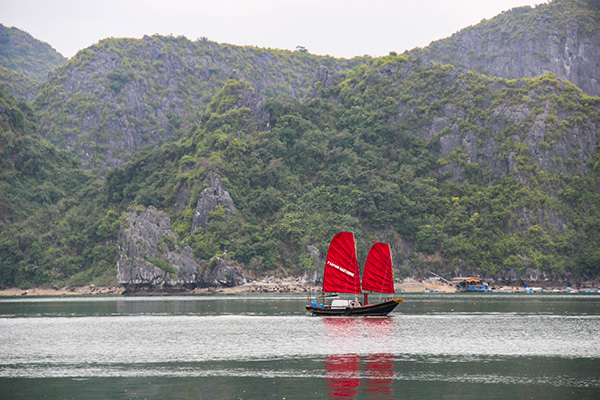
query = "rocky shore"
x=284 y=285
x=65 y=291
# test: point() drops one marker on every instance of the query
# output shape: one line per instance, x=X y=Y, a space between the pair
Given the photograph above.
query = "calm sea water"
x=267 y=347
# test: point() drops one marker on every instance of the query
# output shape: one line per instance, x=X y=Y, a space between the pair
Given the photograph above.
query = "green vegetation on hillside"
x=461 y=173
x=344 y=161
x=21 y=53
x=22 y=88
x=361 y=155
x=561 y=36
x=131 y=94
x=54 y=223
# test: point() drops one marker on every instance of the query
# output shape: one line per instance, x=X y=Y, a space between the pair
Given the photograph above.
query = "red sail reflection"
x=380 y=373
x=342 y=375
x=352 y=327
x=347 y=374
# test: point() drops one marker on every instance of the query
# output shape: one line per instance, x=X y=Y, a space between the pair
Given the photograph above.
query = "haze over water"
x=252 y=347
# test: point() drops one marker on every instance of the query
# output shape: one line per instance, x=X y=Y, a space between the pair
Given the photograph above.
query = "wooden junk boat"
x=342 y=275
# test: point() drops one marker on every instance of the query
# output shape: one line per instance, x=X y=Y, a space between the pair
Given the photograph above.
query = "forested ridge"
x=460 y=172
x=345 y=159
x=561 y=36
x=25 y=62
x=22 y=53
x=120 y=96
x=52 y=223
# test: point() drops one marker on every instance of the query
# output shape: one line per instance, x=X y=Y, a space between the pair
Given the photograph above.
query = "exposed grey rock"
x=145 y=237
x=540 y=143
x=211 y=197
x=146 y=243
x=528 y=42
x=255 y=101
x=314 y=276
x=134 y=107
x=182 y=196
x=222 y=272
x=548 y=138
x=324 y=77
x=314 y=253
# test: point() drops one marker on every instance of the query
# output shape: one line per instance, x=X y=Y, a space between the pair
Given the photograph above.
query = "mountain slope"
x=26 y=62
x=269 y=153
x=122 y=95
x=461 y=173
x=21 y=52
x=53 y=221
x=21 y=87
x=562 y=37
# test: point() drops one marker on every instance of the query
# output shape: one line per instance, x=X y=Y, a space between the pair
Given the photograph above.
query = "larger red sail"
x=341 y=268
x=378 y=269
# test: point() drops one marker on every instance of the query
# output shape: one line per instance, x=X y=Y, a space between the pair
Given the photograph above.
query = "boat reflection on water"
x=343 y=375
x=341 y=329
x=347 y=375
x=380 y=373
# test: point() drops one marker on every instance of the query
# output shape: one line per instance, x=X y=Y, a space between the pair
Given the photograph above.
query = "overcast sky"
x=341 y=28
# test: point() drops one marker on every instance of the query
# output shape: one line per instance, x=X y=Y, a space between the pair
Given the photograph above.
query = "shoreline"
x=273 y=286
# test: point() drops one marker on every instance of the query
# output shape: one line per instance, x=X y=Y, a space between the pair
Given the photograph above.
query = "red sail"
x=341 y=268
x=378 y=270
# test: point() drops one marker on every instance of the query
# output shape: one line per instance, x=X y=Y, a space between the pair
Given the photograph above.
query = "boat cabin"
x=343 y=304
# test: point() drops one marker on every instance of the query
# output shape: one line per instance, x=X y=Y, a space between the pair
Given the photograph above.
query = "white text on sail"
x=344 y=270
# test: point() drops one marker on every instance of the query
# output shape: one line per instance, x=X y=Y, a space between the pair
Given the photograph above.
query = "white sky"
x=341 y=28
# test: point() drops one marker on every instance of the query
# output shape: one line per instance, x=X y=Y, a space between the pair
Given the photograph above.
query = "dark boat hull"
x=377 y=309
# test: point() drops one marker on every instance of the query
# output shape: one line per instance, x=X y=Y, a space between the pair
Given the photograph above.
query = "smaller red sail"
x=341 y=268
x=378 y=269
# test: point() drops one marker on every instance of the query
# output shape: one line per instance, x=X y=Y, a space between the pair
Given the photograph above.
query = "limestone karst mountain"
x=257 y=157
x=123 y=95
x=25 y=62
x=561 y=37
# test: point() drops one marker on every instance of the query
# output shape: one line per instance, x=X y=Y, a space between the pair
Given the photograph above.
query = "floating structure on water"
x=470 y=284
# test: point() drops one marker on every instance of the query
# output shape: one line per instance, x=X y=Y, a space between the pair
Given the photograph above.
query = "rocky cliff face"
x=150 y=253
x=152 y=258
x=536 y=141
x=221 y=272
x=529 y=136
x=121 y=95
x=561 y=37
x=497 y=124
x=314 y=276
x=210 y=198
